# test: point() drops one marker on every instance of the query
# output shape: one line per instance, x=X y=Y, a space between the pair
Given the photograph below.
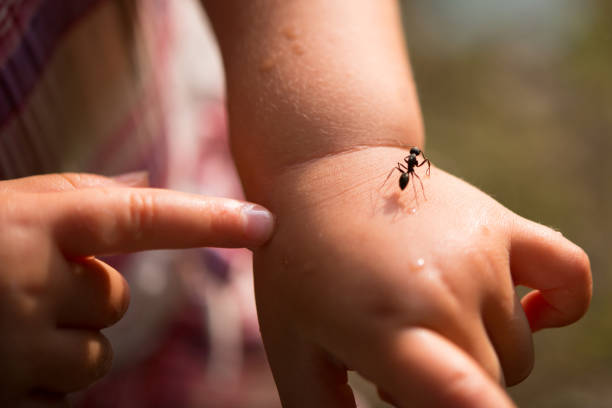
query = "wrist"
x=263 y=165
x=357 y=176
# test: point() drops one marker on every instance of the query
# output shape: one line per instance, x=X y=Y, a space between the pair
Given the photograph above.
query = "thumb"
x=558 y=270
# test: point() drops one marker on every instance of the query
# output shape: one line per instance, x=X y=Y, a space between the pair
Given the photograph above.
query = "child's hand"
x=421 y=303
x=55 y=296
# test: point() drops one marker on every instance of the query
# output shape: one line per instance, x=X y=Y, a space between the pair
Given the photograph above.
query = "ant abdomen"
x=403 y=180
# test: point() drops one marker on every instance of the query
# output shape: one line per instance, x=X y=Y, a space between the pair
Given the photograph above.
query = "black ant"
x=408 y=168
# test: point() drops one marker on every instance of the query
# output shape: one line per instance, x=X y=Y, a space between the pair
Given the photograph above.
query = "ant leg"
x=420 y=181
x=416 y=197
x=428 y=165
x=391 y=172
x=425 y=159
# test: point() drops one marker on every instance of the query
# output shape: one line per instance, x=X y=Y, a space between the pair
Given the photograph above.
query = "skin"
x=55 y=296
x=417 y=296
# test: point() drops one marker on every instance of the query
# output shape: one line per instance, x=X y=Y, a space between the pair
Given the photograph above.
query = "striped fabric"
x=76 y=79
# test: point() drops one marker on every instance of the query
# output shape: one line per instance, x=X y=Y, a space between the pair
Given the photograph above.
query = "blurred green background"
x=517 y=100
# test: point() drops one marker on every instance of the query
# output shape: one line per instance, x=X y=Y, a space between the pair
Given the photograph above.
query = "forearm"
x=311 y=78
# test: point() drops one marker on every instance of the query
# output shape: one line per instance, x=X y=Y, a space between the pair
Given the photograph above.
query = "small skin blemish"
x=398 y=201
x=297 y=49
x=267 y=64
x=289 y=32
x=485 y=230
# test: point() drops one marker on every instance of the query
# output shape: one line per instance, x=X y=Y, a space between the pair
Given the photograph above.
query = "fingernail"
x=133 y=179
x=259 y=222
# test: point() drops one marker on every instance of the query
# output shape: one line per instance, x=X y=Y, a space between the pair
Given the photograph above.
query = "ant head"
x=415 y=150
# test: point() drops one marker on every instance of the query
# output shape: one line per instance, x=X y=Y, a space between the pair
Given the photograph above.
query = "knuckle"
x=225 y=218
x=488 y=267
x=490 y=260
x=141 y=212
x=449 y=293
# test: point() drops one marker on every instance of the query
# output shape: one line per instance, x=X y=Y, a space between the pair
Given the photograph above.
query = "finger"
x=306 y=376
x=478 y=346
x=76 y=359
x=543 y=259
x=72 y=181
x=465 y=328
x=420 y=368
x=114 y=220
x=509 y=332
x=470 y=335
x=92 y=295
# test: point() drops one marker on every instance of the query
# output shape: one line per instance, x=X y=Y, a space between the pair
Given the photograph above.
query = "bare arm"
x=306 y=79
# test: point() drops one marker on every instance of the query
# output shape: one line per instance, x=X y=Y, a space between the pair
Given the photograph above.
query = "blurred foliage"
x=523 y=110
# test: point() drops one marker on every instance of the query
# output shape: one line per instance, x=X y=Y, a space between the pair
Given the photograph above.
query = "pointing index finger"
x=114 y=220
